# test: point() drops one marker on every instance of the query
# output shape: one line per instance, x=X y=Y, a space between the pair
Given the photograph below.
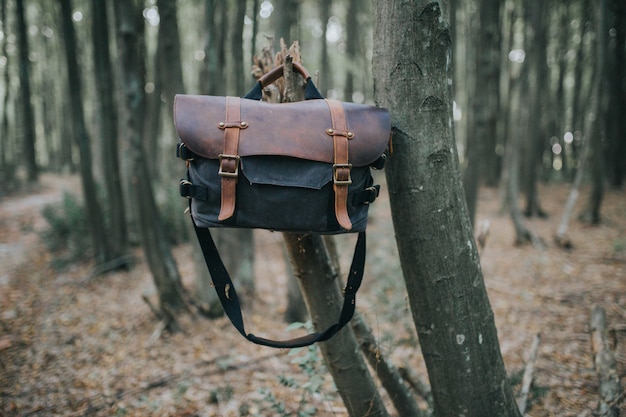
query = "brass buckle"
x=342 y=182
x=223 y=173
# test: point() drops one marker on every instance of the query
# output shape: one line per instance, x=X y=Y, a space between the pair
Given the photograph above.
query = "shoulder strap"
x=228 y=296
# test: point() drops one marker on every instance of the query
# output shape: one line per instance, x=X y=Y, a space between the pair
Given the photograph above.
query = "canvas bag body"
x=285 y=167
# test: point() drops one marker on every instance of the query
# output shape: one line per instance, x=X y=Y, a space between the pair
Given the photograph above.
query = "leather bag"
x=299 y=167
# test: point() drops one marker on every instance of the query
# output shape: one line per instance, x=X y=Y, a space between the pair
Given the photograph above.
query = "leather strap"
x=278 y=72
x=229 y=159
x=341 y=167
x=228 y=296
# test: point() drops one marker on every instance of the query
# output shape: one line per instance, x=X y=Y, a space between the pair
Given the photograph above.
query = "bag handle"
x=279 y=71
x=310 y=92
x=228 y=296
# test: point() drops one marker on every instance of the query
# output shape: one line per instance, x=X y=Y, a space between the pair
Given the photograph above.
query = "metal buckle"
x=223 y=173
x=342 y=182
x=184 y=184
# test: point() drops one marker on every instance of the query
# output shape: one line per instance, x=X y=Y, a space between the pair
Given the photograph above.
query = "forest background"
x=556 y=72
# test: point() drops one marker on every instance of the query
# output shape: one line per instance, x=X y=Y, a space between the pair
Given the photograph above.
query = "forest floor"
x=76 y=345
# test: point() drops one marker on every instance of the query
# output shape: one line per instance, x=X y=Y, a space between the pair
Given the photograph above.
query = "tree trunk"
x=318 y=282
x=325 y=79
x=352 y=39
x=537 y=75
x=108 y=130
x=616 y=109
x=598 y=117
x=285 y=21
x=81 y=136
x=481 y=142
x=236 y=38
x=451 y=311
x=7 y=164
x=26 y=110
x=129 y=24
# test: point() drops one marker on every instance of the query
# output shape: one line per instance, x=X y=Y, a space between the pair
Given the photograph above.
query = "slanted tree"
x=318 y=280
x=451 y=311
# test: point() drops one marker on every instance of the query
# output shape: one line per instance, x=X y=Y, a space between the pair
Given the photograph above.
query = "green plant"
x=619 y=246
x=310 y=361
x=67 y=235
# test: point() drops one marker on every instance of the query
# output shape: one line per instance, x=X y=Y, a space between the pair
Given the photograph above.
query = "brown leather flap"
x=286 y=129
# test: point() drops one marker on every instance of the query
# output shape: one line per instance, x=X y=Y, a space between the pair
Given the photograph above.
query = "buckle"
x=336 y=180
x=183 y=188
x=223 y=173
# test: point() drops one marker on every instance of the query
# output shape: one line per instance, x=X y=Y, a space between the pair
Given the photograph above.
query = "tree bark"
x=451 y=311
x=26 y=110
x=108 y=130
x=129 y=25
x=481 y=142
x=616 y=76
x=285 y=21
x=536 y=86
x=610 y=390
x=318 y=282
x=236 y=38
x=7 y=172
x=598 y=114
x=325 y=79
x=352 y=40
x=81 y=136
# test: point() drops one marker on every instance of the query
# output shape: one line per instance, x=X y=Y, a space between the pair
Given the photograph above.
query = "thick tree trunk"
x=81 y=136
x=451 y=311
x=26 y=110
x=129 y=24
x=108 y=130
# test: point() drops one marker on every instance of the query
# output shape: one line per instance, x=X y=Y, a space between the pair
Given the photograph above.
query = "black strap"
x=228 y=296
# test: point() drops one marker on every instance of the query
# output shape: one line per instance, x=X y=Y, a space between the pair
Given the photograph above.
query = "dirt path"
x=72 y=346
